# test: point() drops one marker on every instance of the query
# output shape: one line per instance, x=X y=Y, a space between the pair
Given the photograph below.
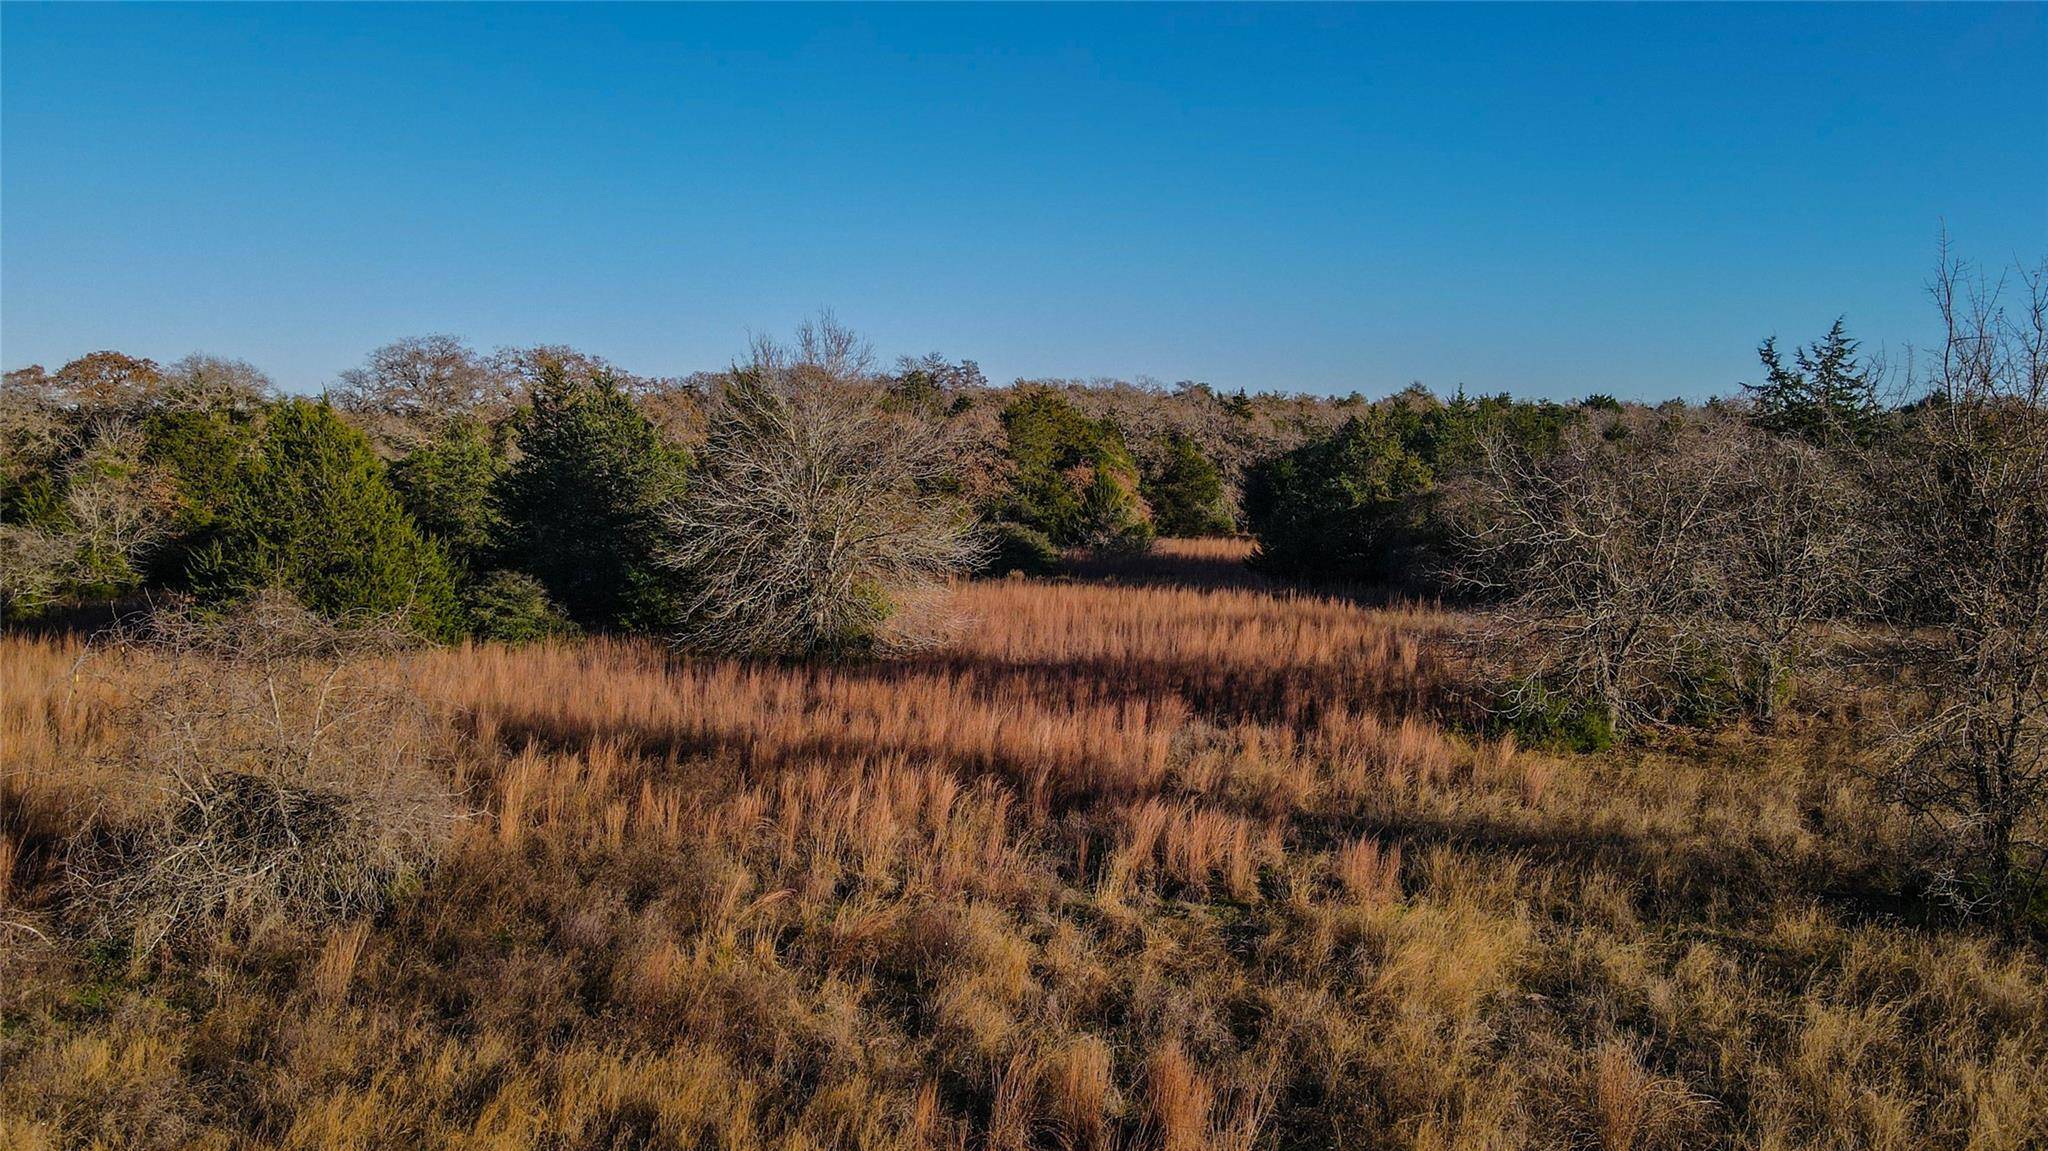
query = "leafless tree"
x=34 y=563
x=33 y=425
x=1793 y=551
x=520 y=369
x=1596 y=553
x=216 y=383
x=34 y=430
x=1968 y=497
x=408 y=391
x=822 y=522
x=116 y=509
x=824 y=348
x=119 y=505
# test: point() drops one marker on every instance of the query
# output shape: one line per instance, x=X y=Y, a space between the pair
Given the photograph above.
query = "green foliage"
x=1704 y=688
x=512 y=607
x=1339 y=507
x=1448 y=435
x=201 y=449
x=1825 y=398
x=1358 y=504
x=1543 y=718
x=310 y=510
x=37 y=500
x=1075 y=481
x=1017 y=548
x=582 y=503
x=447 y=486
x=1186 y=491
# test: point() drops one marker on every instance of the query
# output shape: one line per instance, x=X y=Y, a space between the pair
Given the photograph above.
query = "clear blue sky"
x=1551 y=200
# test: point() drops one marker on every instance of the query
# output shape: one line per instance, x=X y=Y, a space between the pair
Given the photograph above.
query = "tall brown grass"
x=1157 y=863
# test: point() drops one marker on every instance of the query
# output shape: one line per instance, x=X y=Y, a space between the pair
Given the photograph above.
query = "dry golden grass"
x=1155 y=863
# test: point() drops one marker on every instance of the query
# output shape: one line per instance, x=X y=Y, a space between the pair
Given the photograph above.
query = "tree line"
x=800 y=502
x=1639 y=567
x=512 y=494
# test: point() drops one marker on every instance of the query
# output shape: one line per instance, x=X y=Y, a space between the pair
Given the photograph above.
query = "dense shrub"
x=1074 y=479
x=310 y=510
x=1542 y=717
x=582 y=504
x=446 y=485
x=1013 y=547
x=117 y=511
x=511 y=607
x=1965 y=533
x=1361 y=503
x=1185 y=491
x=85 y=520
x=1340 y=507
x=262 y=781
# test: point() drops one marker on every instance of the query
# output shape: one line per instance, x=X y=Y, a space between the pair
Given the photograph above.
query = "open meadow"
x=1354 y=577
x=1153 y=858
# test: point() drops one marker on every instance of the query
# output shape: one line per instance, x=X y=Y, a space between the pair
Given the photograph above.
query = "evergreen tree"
x=1339 y=507
x=447 y=487
x=1827 y=397
x=1186 y=491
x=1074 y=479
x=512 y=607
x=310 y=511
x=202 y=449
x=582 y=503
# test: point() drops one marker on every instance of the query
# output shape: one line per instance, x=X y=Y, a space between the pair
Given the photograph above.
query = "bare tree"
x=825 y=348
x=113 y=508
x=408 y=391
x=34 y=563
x=1596 y=553
x=33 y=425
x=216 y=383
x=1968 y=497
x=119 y=505
x=34 y=433
x=1793 y=550
x=822 y=522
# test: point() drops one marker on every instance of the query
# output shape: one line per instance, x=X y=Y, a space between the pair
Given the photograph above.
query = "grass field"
x=1152 y=858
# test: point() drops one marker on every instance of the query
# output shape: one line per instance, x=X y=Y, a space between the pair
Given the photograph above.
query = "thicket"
x=1074 y=480
x=555 y=465
x=1360 y=504
x=1646 y=568
x=311 y=511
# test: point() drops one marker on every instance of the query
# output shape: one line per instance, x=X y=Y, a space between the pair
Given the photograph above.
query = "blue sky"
x=1550 y=200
